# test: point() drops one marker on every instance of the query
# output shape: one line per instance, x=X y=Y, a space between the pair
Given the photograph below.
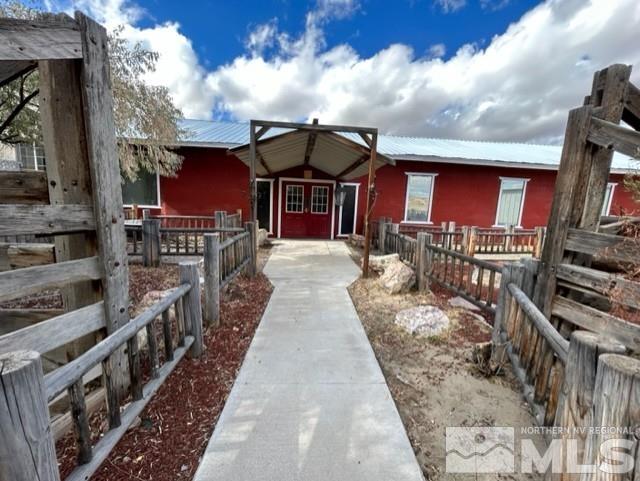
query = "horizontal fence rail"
x=179 y=335
x=470 y=278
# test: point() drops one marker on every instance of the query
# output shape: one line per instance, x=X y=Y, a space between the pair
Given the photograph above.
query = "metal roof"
x=207 y=133
x=332 y=153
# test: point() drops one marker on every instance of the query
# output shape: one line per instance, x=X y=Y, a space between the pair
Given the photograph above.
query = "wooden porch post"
x=253 y=192
x=370 y=186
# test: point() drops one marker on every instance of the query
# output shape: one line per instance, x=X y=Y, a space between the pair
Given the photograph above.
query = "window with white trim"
x=30 y=156
x=510 y=201
x=608 y=198
x=419 y=197
x=319 y=199
x=144 y=191
x=295 y=200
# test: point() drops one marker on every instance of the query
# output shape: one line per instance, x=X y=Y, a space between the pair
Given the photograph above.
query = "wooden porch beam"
x=366 y=139
x=264 y=164
x=370 y=201
x=353 y=166
x=253 y=188
x=318 y=127
x=263 y=130
x=311 y=143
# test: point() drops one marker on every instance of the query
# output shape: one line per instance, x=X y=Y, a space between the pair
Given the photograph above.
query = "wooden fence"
x=471 y=278
x=157 y=236
x=566 y=322
x=28 y=391
x=224 y=260
x=471 y=240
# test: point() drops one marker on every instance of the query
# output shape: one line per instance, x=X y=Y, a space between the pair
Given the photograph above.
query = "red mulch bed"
x=178 y=421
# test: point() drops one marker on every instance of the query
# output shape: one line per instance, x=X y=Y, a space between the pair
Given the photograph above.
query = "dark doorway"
x=348 y=210
x=264 y=204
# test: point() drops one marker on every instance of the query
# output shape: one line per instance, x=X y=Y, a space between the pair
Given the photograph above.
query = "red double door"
x=307 y=209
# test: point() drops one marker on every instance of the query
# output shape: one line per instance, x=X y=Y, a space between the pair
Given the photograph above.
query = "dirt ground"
x=433 y=380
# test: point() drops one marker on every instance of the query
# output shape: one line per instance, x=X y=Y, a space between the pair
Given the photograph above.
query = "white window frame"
x=286 y=202
x=355 y=209
x=406 y=197
x=271 y=181
x=325 y=188
x=524 y=195
x=146 y=206
x=613 y=185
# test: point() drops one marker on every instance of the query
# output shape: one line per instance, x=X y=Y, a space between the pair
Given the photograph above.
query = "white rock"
x=462 y=303
x=380 y=263
x=423 y=320
x=397 y=278
x=263 y=236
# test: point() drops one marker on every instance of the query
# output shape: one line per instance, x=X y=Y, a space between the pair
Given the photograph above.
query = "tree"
x=146 y=120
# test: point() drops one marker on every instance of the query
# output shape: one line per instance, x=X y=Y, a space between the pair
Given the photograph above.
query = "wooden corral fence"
x=173 y=235
x=565 y=321
x=469 y=277
x=223 y=261
x=469 y=240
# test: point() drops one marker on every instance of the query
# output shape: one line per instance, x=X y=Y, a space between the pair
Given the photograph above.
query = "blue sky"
x=218 y=29
x=504 y=70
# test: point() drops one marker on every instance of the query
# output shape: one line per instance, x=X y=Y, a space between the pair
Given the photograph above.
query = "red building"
x=472 y=183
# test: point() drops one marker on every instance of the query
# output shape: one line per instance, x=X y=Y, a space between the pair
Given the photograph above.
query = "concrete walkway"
x=310 y=402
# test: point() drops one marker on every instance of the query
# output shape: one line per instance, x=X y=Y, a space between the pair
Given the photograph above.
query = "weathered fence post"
x=498 y=351
x=252 y=228
x=464 y=247
x=508 y=238
x=212 y=280
x=146 y=214
x=537 y=249
x=616 y=398
x=421 y=261
x=27 y=451
x=192 y=308
x=221 y=219
x=575 y=401
x=382 y=230
x=473 y=239
x=151 y=242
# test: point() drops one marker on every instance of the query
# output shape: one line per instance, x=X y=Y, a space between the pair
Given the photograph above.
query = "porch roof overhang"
x=339 y=156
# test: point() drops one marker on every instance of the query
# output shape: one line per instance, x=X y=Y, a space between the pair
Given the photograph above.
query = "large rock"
x=462 y=303
x=397 y=278
x=263 y=237
x=380 y=263
x=423 y=320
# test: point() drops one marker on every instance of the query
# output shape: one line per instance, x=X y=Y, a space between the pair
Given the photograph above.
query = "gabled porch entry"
x=309 y=205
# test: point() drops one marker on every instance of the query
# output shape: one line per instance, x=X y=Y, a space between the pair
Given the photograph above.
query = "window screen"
x=295 y=198
x=144 y=191
x=510 y=203
x=319 y=200
x=419 y=189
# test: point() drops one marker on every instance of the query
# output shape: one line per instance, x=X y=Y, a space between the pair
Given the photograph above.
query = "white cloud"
x=437 y=50
x=448 y=6
x=519 y=87
x=178 y=67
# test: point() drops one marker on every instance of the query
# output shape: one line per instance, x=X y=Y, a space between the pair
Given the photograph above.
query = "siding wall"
x=211 y=180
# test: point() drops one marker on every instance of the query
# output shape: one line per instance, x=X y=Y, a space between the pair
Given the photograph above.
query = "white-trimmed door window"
x=419 y=198
x=319 y=199
x=511 y=201
x=295 y=198
x=608 y=198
